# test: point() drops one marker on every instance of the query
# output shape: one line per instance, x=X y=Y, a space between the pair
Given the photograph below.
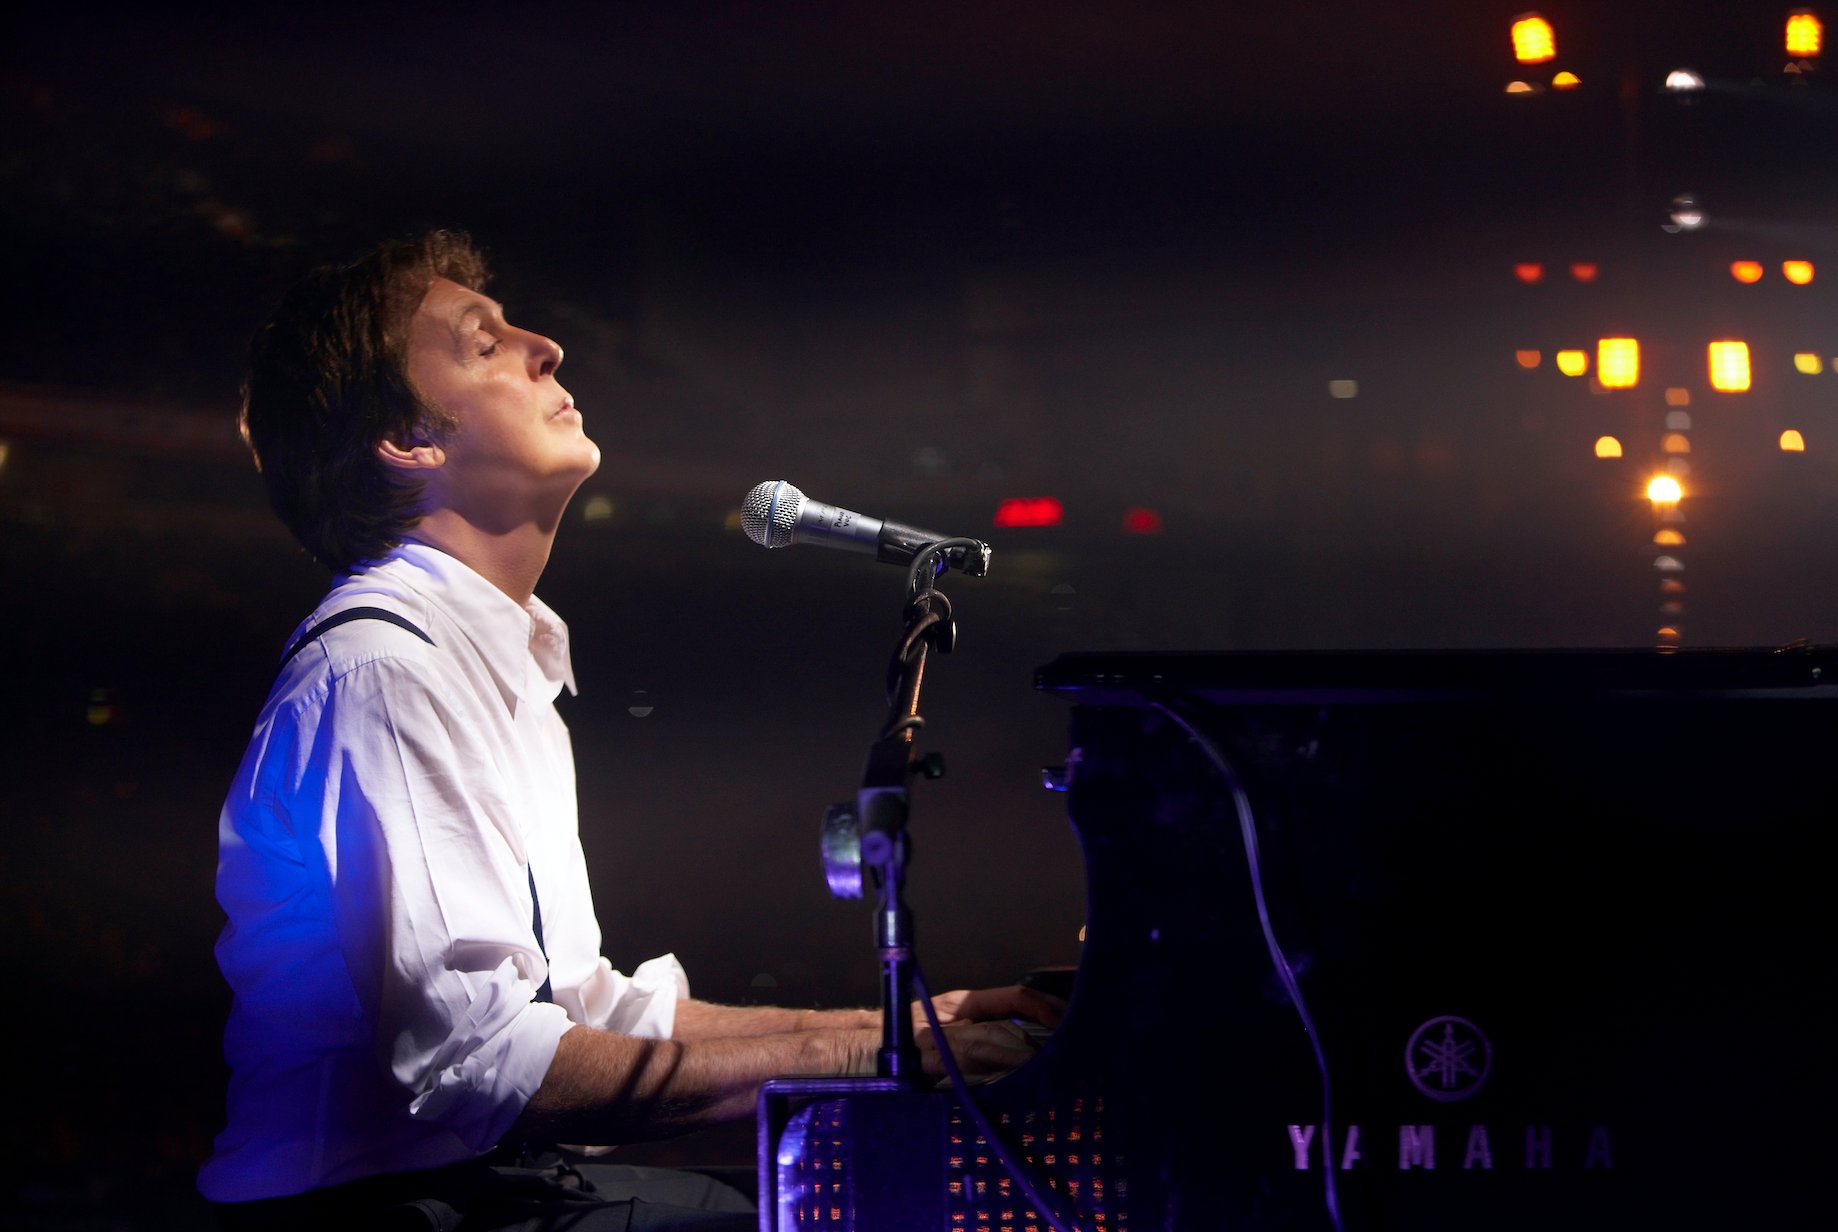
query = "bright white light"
x=1687 y=213
x=1683 y=81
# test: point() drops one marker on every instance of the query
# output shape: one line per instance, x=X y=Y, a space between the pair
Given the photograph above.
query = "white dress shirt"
x=376 y=853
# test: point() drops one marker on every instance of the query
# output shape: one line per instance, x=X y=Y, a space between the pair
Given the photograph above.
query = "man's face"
x=519 y=450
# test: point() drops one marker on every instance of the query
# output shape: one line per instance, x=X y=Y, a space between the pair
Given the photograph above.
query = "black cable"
x=926 y=557
x=1021 y=1173
x=1247 y=829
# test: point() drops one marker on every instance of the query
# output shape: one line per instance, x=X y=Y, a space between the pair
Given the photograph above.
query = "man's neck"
x=511 y=559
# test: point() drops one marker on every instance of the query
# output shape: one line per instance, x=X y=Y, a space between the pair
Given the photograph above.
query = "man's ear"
x=412 y=456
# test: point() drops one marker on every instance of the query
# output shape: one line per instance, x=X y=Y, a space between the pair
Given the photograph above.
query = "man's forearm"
x=608 y=1088
x=702 y=1020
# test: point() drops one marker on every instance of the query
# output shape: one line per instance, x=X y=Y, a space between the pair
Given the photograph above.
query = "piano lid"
x=1314 y=677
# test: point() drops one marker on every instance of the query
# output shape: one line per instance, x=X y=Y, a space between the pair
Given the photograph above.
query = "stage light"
x=1534 y=41
x=1805 y=35
x=1792 y=441
x=1617 y=363
x=1566 y=80
x=1671 y=586
x=597 y=509
x=1678 y=421
x=1675 y=442
x=1528 y=272
x=1684 y=81
x=1677 y=395
x=1029 y=511
x=1607 y=447
x=1729 y=366
x=1142 y=521
x=1664 y=490
x=1529 y=359
x=1799 y=273
x=1521 y=87
x=1573 y=363
x=1808 y=362
x=104 y=708
x=1687 y=213
x=1667 y=537
x=1585 y=271
x=1343 y=389
x=1746 y=271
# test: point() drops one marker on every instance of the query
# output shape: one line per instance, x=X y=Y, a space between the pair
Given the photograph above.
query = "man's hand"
x=987 y=1004
x=985 y=1030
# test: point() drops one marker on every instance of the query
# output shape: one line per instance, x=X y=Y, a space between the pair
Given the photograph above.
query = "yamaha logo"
x=1448 y=1059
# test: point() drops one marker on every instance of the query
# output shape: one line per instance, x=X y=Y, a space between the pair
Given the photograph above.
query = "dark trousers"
x=486 y=1198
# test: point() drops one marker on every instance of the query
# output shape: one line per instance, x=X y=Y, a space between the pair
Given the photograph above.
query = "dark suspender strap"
x=545 y=993
x=346 y=617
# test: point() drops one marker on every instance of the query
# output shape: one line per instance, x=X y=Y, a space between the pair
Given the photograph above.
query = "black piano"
x=1560 y=923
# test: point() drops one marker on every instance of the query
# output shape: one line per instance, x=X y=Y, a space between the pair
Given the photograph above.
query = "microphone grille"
x=770 y=512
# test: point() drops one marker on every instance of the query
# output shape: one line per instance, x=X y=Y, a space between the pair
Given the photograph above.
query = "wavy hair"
x=328 y=382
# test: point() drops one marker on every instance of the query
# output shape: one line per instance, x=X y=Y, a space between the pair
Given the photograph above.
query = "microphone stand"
x=873 y=834
x=882 y=806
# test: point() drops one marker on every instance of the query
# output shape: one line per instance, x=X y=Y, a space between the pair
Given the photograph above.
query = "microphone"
x=775 y=515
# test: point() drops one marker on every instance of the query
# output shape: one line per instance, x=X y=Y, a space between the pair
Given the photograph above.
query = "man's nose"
x=545 y=355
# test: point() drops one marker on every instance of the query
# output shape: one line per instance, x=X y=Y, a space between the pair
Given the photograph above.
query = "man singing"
x=418 y=987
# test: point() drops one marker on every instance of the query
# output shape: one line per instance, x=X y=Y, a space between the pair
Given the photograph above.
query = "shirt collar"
x=524 y=646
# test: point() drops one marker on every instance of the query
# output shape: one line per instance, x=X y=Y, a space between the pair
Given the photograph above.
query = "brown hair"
x=328 y=383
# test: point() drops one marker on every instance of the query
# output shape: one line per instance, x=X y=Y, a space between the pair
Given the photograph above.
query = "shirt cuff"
x=647 y=1003
x=479 y=1099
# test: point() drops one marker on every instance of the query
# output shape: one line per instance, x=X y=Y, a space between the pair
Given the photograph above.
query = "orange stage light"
x=1729 y=366
x=1805 y=35
x=1746 y=271
x=1534 y=42
x=1617 y=363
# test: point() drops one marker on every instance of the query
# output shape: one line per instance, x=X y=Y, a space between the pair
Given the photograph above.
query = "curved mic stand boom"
x=882 y=804
x=872 y=833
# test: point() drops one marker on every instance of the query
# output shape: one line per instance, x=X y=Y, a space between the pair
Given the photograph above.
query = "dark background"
x=916 y=262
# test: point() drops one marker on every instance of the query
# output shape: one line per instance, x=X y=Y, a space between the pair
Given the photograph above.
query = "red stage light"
x=1142 y=521
x=1029 y=511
